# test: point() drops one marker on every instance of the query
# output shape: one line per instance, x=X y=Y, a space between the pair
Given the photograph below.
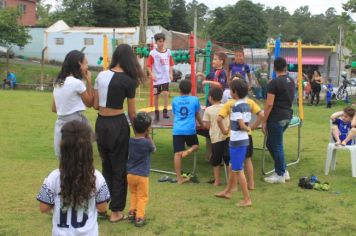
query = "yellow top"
x=226 y=109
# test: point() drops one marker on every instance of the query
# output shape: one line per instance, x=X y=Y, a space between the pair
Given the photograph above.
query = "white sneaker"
x=275 y=179
x=286 y=175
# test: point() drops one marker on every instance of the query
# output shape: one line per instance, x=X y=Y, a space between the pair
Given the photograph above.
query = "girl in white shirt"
x=70 y=95
x=75 y=191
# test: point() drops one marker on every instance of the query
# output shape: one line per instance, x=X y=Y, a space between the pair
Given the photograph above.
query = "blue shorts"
x=237 y=158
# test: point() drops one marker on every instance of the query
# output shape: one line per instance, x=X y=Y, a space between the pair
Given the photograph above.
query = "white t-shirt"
x=80 y=222
x=161 y=63
x=68 y=96
x=226 y=96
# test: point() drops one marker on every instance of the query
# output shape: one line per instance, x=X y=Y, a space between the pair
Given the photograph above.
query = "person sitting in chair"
x=343 y=129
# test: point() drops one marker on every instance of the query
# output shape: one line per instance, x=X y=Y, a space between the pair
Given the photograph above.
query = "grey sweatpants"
x=61 y=120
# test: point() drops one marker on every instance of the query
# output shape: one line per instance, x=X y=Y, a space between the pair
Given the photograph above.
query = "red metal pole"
x=151 y=80
x=192 y=65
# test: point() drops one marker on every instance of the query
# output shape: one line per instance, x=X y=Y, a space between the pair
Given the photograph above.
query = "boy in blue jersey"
x=185 y=109
x=342 y=130
x=239 y=67
x=239 y=141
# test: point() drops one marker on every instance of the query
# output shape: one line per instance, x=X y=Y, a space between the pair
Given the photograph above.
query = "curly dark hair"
x=76 y=165
x=70 y=66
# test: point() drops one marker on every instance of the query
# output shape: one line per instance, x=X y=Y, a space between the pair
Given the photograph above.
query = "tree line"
x=243 y=23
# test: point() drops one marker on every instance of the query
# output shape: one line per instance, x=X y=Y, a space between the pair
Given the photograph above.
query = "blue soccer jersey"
x=344 y=128
x=184 y=109
x=242 y=69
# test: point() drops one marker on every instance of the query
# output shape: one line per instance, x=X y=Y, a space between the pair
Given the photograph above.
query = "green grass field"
x=26 y=157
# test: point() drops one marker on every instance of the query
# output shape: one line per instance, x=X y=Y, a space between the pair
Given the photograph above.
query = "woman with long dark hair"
x=76 y=191
x=112 y=130
x=316 y=83
x=70 y=94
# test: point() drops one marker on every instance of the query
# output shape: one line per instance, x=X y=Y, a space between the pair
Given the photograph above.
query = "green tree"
x=178 y=21
x=110 y=13
x=350 y=6
x=242 y=23
x=279 y=23
x=10 y=31
x=78 y=12
x=133 y=12
x=159 y=13
x=202 y=17
x=43 y=14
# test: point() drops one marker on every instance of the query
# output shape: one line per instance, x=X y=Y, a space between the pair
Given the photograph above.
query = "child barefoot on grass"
x=239 y=141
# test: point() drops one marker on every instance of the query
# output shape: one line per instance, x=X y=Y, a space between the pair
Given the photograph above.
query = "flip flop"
x=221 y=196
x=211 y=181
x=122 y=218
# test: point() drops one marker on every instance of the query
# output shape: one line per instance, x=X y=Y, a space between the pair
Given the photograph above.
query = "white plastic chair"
x=330 y=161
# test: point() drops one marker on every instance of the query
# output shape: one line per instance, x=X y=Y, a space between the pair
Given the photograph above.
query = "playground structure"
x=182 y=56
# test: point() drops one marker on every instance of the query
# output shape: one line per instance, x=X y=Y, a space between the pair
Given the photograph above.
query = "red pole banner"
x=151 y=80
x=192 y=65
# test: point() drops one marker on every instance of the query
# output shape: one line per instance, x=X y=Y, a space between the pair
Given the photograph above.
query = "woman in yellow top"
x=316 y=83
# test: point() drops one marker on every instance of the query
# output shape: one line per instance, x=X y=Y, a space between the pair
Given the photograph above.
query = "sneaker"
x=275 y=179
x=286 y=175
x=139 y=222
x=132 y=216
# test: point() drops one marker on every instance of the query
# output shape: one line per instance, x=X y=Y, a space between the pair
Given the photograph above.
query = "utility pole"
x=341 y=39
x=143 y=22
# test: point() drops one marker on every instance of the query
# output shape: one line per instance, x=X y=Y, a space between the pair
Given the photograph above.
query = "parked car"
x=3 y=51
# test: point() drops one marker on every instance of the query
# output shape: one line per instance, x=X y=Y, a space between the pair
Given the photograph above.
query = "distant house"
x=60 y=39
x=314 y=57
x=27 y=7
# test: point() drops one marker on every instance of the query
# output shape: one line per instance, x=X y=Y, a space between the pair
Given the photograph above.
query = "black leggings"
x=315 y=92
x=113 y=134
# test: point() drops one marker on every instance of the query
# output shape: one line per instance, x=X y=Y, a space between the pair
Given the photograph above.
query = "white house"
x=60 y=39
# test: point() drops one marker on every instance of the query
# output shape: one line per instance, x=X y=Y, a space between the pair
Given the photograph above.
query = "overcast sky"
x=315 y=6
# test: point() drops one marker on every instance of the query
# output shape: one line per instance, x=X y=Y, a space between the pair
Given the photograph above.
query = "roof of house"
x=61 y=26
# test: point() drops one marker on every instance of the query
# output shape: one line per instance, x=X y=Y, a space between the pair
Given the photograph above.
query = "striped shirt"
x=240 y=111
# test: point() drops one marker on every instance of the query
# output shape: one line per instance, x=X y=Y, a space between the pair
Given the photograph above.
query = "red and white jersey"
x=160 y=63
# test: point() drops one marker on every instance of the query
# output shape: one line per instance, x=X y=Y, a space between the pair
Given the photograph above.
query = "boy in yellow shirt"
x=256 y=110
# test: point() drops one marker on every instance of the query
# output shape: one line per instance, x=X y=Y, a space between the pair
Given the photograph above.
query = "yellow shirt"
x=211 y=115
x=226 y=109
